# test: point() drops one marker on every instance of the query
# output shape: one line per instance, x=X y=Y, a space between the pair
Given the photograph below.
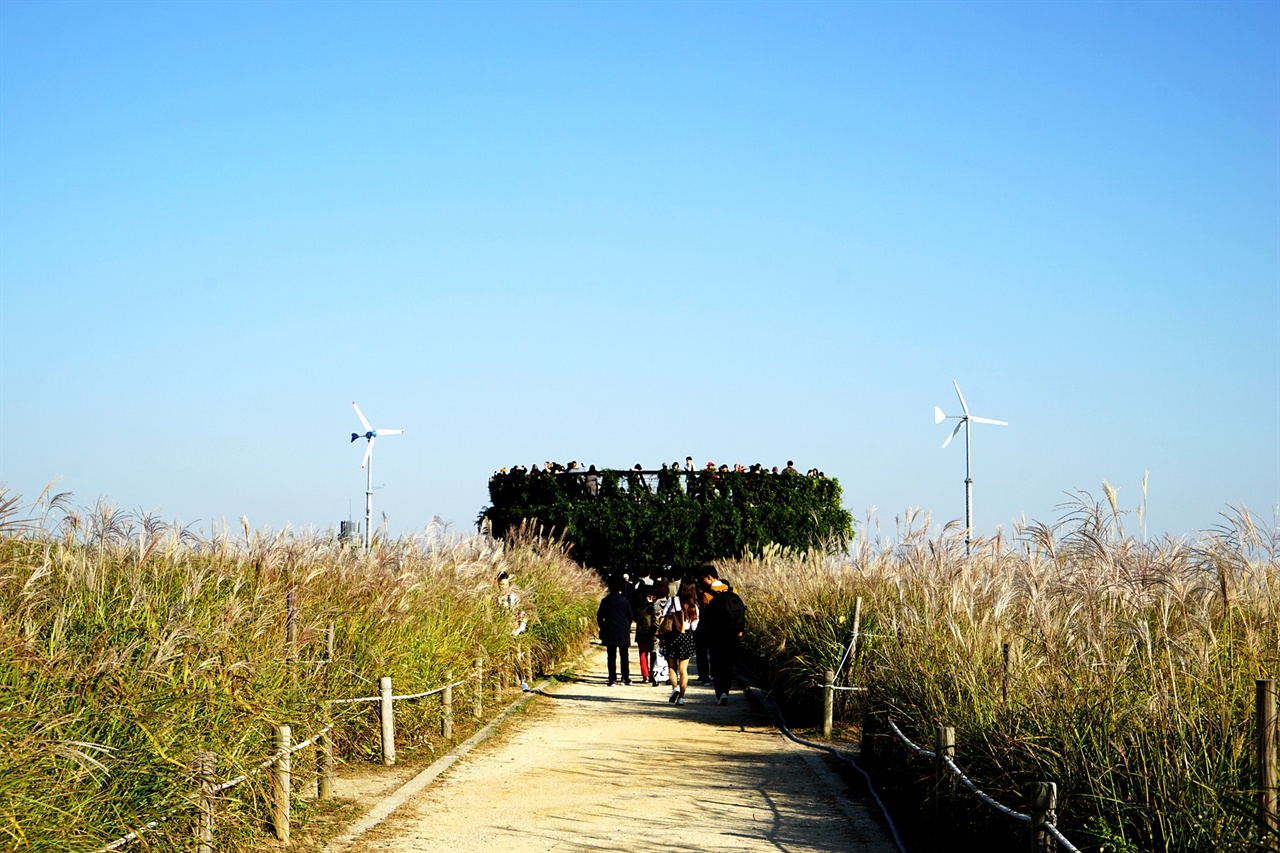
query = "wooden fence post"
x=1266 y=760
x=206 y=767
x=868 y=748
x=479 y=688
x=329 y=635
x=446 y=715
x=324 y=765
x=853 y=642
x=281 y=781
x=1004 y=678
x=828 y=702
x=1044 y=810
x=944 y=783
x=291 y=635
x=388 y=715
x=291 y=622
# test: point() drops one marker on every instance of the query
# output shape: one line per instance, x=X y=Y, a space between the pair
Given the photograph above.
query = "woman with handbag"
x=679 y=646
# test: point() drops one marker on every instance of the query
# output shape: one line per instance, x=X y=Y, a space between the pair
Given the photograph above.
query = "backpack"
x=735 y=612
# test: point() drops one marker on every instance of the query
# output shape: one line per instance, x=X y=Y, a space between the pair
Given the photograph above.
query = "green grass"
x=1131 y=666
x=126 y=646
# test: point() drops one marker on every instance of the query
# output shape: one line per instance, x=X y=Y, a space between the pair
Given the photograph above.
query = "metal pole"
x=368 y=504
x=968 y=493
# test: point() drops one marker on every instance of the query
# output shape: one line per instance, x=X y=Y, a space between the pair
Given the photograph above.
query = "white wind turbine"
x=939 y=417
x=367 y=464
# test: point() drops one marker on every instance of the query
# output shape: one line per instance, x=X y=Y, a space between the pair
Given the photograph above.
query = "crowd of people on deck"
x=688 y=468
x=697 y=618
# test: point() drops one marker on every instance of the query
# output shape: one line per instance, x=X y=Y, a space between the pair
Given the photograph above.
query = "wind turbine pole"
x=965 y=421
x=368 y=505
x=367 y=464
x=968 y=494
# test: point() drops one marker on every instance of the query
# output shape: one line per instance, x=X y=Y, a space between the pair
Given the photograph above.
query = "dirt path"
x=592 y=767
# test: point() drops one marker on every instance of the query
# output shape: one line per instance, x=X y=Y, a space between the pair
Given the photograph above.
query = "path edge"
x=414 y=786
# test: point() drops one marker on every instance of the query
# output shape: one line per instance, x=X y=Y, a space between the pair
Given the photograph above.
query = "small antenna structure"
x=938 y=417
x=367 y=463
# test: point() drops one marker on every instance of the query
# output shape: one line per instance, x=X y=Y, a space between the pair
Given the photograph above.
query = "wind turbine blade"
x=979 y=420
x=963 y=404
x=938 y=416
x=381 y=432
x=368 y=451
x=360 y=415
x=953 y=433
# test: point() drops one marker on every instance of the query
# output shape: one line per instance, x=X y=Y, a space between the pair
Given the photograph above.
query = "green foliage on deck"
x=670 y=517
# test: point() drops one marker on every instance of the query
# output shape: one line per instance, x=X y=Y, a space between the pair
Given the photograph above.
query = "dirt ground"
x=590 y=767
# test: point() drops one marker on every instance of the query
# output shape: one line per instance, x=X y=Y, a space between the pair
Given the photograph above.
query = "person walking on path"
x=702 y=642
x=642 y=609
x=662 y=599
x=723 y=621
x=680 y=646
x=614 y=617
x=585 y=773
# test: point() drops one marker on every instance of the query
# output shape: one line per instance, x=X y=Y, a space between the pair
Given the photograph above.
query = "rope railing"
x=1048 y=825
x=1058 y=836
x=388 y=749
x=983 y=795
x=297 y=747
x=431 y=692
x=918 y=750
x=214 y=789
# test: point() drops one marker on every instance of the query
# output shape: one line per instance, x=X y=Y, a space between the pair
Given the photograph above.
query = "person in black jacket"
x=646 y=629
x=614 y=617
x=723 y=619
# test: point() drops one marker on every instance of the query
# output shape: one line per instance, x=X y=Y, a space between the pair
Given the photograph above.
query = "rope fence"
x=279 y=764
x=1043 y=798
x=1044 y=820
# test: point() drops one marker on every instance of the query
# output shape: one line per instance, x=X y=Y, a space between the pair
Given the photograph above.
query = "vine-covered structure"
x=619 y=519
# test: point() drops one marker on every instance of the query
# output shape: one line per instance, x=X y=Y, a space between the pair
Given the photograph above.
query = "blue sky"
x=622 y=233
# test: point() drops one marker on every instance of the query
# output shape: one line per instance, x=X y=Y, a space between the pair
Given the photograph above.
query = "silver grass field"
x=1131 y=666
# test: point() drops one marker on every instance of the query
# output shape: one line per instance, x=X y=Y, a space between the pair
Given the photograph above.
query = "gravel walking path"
x=592 y=767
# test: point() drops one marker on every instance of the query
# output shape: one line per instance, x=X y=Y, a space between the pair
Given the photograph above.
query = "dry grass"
x=1131 y=666
x=126 y=645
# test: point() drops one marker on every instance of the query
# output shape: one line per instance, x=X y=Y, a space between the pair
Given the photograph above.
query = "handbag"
x=667 y=624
